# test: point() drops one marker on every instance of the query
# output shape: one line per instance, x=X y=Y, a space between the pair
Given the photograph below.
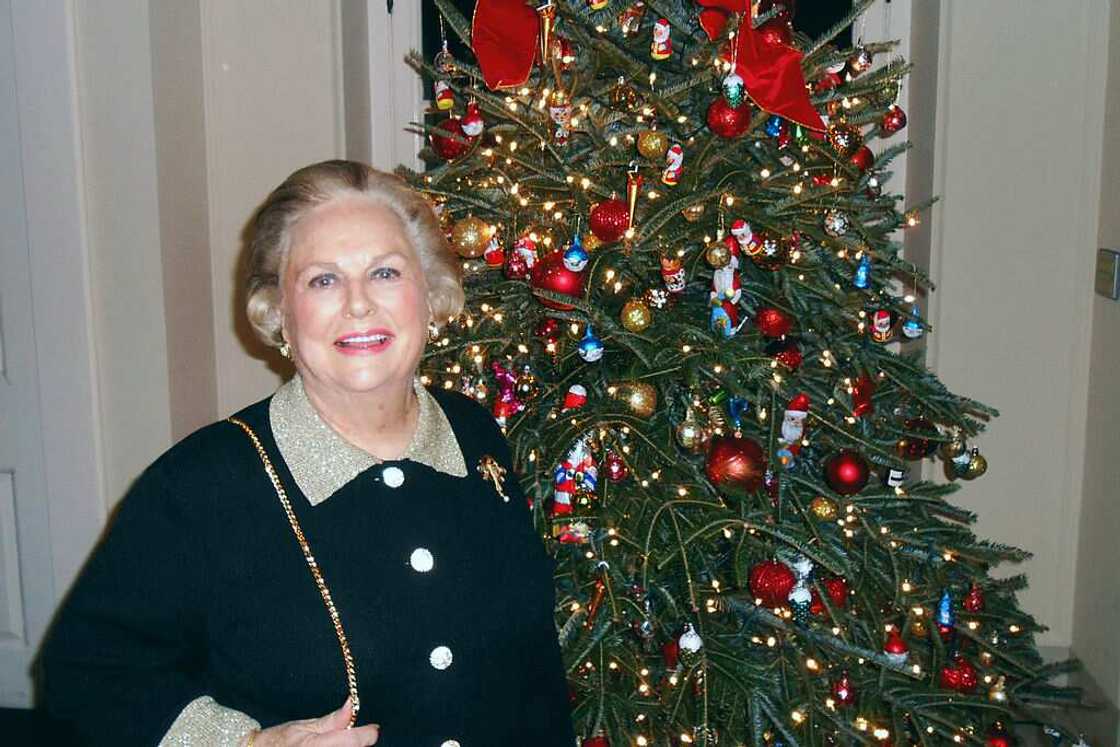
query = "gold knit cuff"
x=205 y=722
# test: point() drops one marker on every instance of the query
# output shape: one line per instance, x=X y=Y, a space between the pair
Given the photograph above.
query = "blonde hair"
x=269 y=237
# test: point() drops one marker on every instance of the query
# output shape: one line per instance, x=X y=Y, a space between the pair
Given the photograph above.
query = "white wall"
x=1017 y=159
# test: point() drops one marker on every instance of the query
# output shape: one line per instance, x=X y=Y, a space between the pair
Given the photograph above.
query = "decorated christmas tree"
x=690 y=310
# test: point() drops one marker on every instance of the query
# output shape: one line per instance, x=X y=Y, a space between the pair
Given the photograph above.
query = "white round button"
x=393 y=476
x=440 y=657
x=450 y=743
x=421 y=560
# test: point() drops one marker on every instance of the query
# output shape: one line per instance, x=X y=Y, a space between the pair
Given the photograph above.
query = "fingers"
x=361 y=736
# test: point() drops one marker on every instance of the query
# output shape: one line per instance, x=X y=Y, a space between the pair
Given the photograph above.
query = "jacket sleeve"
x=125 y=657
x=546 y=716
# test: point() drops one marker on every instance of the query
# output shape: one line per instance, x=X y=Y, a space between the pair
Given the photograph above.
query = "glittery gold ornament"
x=718 y=255
x=977 y=466
x=469 y=236
x=954 y=447
x=691 y=434
x=623 y=96
x=636 y=316
x=845 y=138
x=986 y=658
x=918 y=628
x=823 y=508
x=716 y=417
x=693 y=213
x=652 y=144
x=998 y=691
x=639 y=396
x=591 y=242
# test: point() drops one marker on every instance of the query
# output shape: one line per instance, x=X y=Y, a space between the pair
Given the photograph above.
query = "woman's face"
x=354 y=299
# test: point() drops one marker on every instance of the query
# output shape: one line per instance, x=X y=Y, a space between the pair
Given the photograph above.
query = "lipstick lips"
x=369 y=341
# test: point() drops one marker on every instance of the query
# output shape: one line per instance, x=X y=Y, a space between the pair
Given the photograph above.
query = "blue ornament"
x=720 y=321
x=946 y=618
x=590 y=347
x=774 y=125
x=912 y=327
x=576 y=257
x=862 y=277
x=737 y=407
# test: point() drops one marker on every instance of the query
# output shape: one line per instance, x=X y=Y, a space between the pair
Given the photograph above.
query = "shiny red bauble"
x=729 y=121
x=735 y=466
x=846 y=472
x=671 y=653
x=446 y=147
x=918 y=446
x=863 y=159
x=863 y=388
x=837 y=591
x=959 y=675
x=773 y=322
x=974 y=600
x=548 y=329
x=998 y=736
x=785 y=352
x=776 y=31
x=772 y=582
x=595 y=742
x=549 y=273
x=616 y=468
x=609 y=220
x=893 y=120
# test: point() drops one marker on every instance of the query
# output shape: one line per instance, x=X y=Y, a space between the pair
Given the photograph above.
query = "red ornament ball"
x=617 y=471
x=893 y=120
x=846 y=472
x=446 y=147
x=863 y=159
x=735 y=466
x=915 y=446
x=959 y=675
x=772 y=582
x=609 y=220
x=728 y=121
x=785 y=352
x=837 y=591
x=550 y=274
x=974 y=600
x=595 y=742
x=773 y=322
x=548 y=329
x=998 y=736
x=776 y=31
x=670 y=653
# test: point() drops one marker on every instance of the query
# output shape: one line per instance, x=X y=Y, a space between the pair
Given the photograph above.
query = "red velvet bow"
x=771 y=72
x=504 y=39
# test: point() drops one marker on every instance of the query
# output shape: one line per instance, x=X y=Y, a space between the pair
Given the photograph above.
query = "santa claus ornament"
x=472 y=122
x=725 y=295
x=662 y=46
x=793 y=421
x=522 y=259
x=494 y=255
x=672 y=273
x=744 y=236
x=674 y=164
x=576 y=475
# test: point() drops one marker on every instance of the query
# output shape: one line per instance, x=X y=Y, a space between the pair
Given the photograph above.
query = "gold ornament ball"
x=636 y=316
x=998 y=691
x=693 y=436
x=718 y=255
x=591 y=242
x=639 y=396
x=954 y=447
x=977 y=466
x=693 y=213
x=918 y=628
x=652 y=144
x=823 y=508
x=470 y=236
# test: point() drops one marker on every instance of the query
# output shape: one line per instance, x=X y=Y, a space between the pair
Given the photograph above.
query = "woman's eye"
x=386 y=273
x=322 y=281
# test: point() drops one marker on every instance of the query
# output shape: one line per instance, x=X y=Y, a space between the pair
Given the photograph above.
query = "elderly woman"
x=353 y=539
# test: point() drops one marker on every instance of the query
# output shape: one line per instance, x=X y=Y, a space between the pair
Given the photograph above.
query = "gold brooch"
x=495 y=473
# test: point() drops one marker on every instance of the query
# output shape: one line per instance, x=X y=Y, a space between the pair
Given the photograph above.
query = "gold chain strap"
x=313 y=566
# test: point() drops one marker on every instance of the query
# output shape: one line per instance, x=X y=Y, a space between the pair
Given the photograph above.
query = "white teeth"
x=365 y=338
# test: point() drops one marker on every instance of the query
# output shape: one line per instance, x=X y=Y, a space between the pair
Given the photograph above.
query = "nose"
x=359 y=301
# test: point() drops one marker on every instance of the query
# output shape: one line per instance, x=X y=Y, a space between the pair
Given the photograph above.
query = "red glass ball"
x=728 y=121
x=974 y=600
x=773 y=322
x=785 y=352
x=846 y=472
x=916 y=447
x=776 y=31
x=617 y=471
x=772 y=582
x=893 y=120
x=609 y=220
x=735 y=465
x=863 y=159
x=445 y=147
x=843 y=691
x=550 y=274
x=595 y=742
x=548 y=329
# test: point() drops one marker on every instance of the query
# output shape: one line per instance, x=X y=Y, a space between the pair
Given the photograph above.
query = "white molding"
x=48 y=109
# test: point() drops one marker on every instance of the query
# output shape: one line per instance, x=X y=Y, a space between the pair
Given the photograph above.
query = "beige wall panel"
x=273 y=104
x=1017 y=157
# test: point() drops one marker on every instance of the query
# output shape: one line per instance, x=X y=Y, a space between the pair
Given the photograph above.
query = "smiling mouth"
x=363 y=342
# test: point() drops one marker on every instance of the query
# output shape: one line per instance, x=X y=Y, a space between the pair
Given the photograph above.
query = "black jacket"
x=199 y=588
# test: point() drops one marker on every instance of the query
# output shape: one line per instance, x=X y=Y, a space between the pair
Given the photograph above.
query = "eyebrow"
x=377 y=259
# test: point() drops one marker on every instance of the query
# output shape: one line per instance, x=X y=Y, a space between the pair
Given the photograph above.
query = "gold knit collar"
x=322 y=461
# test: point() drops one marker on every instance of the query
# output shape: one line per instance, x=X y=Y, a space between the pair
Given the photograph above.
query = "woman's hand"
x=326 y=731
